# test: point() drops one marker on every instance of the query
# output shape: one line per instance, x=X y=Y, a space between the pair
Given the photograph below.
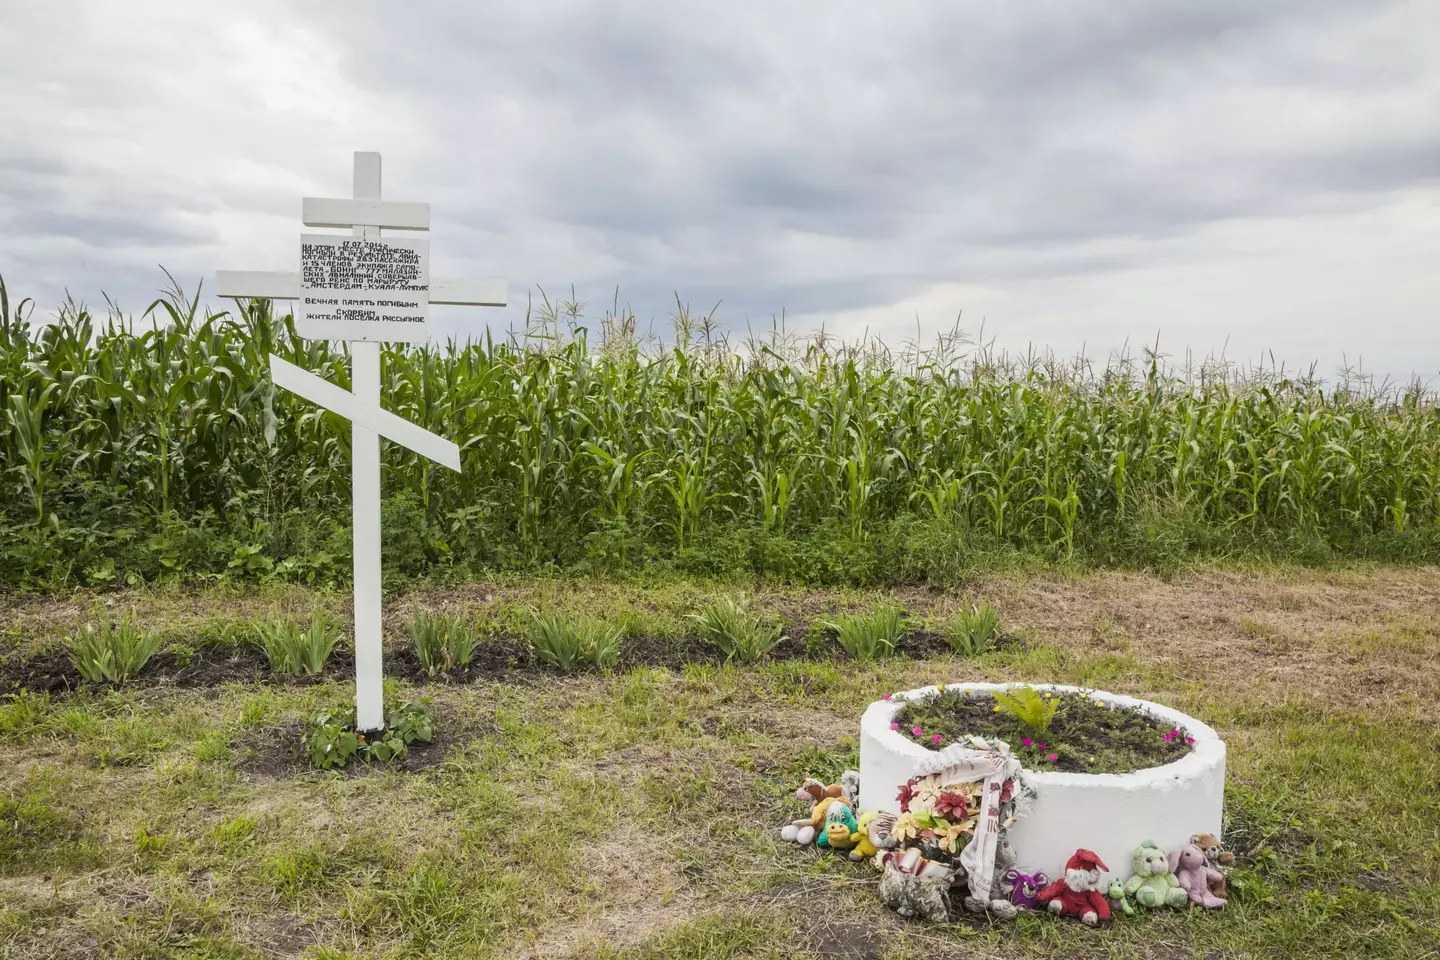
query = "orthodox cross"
x=364 y=290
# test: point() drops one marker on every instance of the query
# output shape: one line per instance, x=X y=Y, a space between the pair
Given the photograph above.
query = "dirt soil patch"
x=1085 y=736
x=496 y=658
x=277 y=752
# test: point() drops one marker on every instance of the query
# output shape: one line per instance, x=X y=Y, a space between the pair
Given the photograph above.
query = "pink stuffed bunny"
x=1195 y=873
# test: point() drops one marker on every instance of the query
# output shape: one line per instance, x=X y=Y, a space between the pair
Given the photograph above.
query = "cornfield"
x=133 y=448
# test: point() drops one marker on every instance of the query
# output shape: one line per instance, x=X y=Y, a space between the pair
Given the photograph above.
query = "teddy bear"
x=1195 y=875
x=1078 y=893
x=1152 y=884
x=1218 y=858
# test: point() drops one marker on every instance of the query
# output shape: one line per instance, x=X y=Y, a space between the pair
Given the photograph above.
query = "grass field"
x=635 y=814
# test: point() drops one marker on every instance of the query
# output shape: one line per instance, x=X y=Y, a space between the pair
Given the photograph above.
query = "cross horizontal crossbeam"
x=285 y=285
x=321 y=391
x=339 y=212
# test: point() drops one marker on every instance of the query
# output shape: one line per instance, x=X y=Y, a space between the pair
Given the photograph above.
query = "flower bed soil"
x=1085 y=736
x=50 y=671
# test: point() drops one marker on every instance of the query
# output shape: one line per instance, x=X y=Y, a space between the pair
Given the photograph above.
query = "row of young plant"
x=443 y=643
x=136 y=449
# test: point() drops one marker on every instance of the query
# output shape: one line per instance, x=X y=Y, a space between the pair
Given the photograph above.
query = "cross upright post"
x=365 y=499
x=363 y=290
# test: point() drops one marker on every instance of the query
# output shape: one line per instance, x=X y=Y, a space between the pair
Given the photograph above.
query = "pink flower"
x=936 y=739
x=1052 y=757
x=895 y=725
x=917 y=731
x=1039 y=746
x=886 y=697
x=1189 y=739
x=953 y=805
x=1026 y=742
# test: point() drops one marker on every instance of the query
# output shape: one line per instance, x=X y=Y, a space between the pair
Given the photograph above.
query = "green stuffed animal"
x=1153 y=885
x=840 y=830
x=1119 y=903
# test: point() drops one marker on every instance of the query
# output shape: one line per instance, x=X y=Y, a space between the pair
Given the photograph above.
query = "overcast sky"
x=1226 y=175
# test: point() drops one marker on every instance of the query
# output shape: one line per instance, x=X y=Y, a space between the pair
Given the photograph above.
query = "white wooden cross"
x=344 y=290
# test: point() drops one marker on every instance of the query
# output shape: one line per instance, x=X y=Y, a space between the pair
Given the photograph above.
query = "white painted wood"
x=365 y=495
x=365 y=521
x=365 y=214
x=480 y=293
x=282 y=285
x=257 y=284
x=371 y=416
x=335 y=212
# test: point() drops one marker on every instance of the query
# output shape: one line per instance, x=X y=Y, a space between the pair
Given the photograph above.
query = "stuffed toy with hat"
x=1079 y=893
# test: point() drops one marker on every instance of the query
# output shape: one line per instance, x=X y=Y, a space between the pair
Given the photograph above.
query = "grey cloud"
x=819 y=157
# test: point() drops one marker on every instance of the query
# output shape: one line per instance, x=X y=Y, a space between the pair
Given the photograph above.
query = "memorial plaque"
x=359 y=288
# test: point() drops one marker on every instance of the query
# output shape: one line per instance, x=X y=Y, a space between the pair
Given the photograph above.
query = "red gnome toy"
x=1078 y=894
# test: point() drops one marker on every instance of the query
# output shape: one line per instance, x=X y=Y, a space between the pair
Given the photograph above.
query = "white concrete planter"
x=1111 y=814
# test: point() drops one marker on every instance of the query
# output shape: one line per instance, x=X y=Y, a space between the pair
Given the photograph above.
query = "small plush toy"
x=865 y=845
x=1195 y=875
x=1078 y=893
x=820 y=797
x=915 y=887
x=880 y=832
x=1119 y=903
x=1218 y=858
x=815 y=791
x=1000 y=904
x=1025 y=888
x=840 y=830
x=1152 y=884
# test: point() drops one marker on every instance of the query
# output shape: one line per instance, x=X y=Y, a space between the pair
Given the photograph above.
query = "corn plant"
x=737 y=632
x=442 y=642
x=112 y=652
x=972 y=632
x=569 y=643
x=870 y=635
x=156 y=446
x=292 y=649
